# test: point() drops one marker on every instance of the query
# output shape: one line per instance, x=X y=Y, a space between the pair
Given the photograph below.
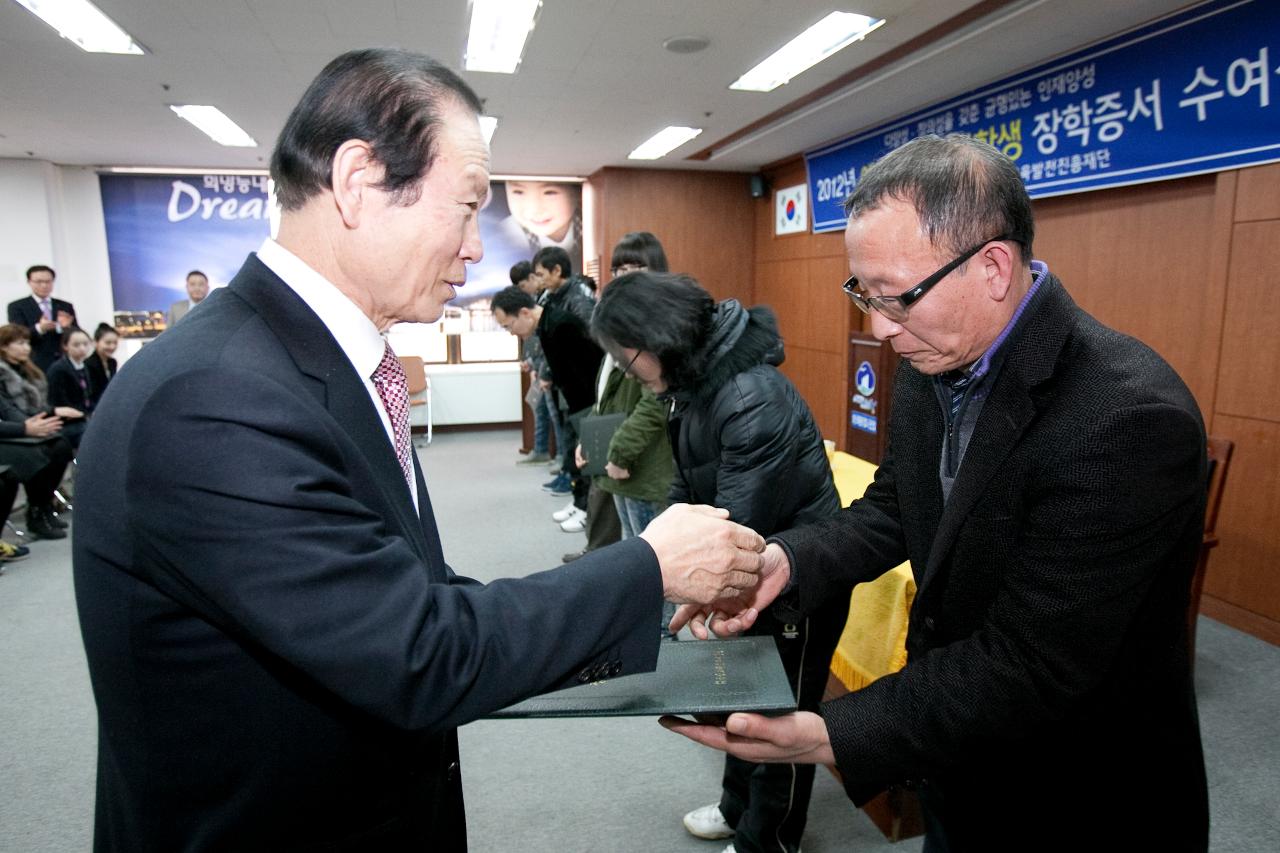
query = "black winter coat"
x=743 y=437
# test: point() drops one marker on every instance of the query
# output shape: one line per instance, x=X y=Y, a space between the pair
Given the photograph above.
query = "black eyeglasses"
x=626 y=371
x=895 y=307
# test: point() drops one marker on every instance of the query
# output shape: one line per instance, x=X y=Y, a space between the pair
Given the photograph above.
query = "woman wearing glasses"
x=743 y=439
x=638 y=472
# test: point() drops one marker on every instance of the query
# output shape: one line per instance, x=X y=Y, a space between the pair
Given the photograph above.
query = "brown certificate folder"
x=693 y=677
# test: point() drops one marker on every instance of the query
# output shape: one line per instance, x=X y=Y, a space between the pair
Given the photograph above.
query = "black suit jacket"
x=278 y=650
x=47 y=347
x=1048 y=688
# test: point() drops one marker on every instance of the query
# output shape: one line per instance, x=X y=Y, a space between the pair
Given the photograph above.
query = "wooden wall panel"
x=1259 y=196
x=1249 y=384
x=1140 y=260
x=705 y=220
x=1242 y=569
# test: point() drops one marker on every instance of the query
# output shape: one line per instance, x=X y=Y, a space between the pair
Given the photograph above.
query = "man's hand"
x=545 y=384
x=44 y=325
x=578 y=457
x=42 y=425
x=799 y=738
x=704 y=557
x=616 y=473
x=733 y=615
x=66 y=320
x=68 y=412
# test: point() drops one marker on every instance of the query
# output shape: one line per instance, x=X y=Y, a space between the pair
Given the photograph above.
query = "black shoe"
x=572 y=555
x=39 y=526
x=53 y=519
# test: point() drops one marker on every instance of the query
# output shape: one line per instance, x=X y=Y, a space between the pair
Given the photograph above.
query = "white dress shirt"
x=355 y=333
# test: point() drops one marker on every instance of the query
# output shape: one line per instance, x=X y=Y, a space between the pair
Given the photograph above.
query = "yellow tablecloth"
x=875 y=637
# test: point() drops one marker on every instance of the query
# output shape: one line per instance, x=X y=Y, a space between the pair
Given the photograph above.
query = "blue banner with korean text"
x=1188 y=94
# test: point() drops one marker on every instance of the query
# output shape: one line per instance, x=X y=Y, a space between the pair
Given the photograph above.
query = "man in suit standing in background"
x=197 y=290
x=1046 y=478
x=46 y=317
x=279 y=652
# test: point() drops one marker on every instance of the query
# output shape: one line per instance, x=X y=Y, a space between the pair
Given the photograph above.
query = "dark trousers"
x=768 y=804
x=568 y=462
x=603 y=525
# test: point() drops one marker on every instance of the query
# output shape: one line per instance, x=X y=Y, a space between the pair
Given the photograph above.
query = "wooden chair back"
x=415 y=373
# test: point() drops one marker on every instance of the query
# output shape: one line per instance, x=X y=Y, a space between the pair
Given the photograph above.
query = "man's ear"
x=354 y=175
x=999 y=263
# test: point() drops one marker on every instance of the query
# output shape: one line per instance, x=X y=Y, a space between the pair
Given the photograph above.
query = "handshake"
x=715 y=568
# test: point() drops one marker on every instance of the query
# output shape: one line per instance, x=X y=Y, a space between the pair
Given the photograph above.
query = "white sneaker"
x=575 y=523
x=707 y=822
x=564 y=512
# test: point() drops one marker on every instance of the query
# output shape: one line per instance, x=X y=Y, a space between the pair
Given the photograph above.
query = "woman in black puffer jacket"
x=743 y=439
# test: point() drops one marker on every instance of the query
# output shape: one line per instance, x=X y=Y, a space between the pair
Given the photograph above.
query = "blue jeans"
x=635 y=516
x=546 y=414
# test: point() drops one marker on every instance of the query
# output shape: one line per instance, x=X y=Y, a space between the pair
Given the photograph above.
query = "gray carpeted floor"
x=604 y=785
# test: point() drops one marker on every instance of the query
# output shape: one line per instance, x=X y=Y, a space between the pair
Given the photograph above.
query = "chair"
x=1219 y=452
x=415 y=374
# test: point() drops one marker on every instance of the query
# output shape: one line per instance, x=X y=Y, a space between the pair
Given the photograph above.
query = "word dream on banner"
x=1186 y=95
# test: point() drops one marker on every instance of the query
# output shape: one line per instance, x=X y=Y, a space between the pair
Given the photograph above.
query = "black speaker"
x=758 y=185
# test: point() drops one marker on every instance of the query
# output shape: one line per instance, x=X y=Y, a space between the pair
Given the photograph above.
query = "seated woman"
x=24 y=386
x=37 y=457
x=68 y=378
x=744 y=440
x=101 y=363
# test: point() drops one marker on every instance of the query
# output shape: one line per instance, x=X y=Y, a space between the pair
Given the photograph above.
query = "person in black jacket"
x=743 y=439
x=70 y=383
x=37 y=457
x=101 y=363
x=1046 y=479
x=574 y=359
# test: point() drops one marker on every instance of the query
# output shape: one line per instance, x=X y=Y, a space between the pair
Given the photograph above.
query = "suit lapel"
x=317 y=355
x=1010 y=408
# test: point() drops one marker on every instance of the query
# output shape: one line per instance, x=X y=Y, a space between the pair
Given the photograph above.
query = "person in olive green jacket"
x=639 y=469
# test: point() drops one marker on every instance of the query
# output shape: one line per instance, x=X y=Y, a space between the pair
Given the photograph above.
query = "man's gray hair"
x=963 y=190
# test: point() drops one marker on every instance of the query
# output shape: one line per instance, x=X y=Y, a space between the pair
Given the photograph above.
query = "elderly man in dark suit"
x=279 y=652
x=1046 y=478
x=46 y=317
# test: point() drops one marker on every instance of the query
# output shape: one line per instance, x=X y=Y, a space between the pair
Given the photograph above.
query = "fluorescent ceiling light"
x=215 y=125
x=663 y=141
x=498 y=32
x=84 y=25
x=488 y=124
x=835 y=31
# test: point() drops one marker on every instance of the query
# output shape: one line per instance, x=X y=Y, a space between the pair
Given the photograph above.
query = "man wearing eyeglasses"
x=1046 y=478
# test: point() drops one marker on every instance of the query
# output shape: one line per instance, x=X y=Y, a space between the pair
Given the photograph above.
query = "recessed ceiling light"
x=215 y=124
x=84 y=25
x=663 y=142
x=499 y=29
x=832 y=33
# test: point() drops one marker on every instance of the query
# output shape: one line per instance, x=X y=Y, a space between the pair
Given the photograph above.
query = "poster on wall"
x=519 y=218
x=1189 y=94
x=160 y=227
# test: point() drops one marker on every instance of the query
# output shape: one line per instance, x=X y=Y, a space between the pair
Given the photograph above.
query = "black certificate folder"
x=693 y=677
